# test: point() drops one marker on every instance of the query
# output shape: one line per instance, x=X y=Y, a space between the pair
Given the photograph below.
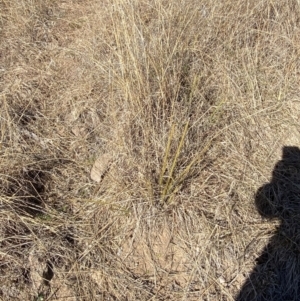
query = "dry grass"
x=185 y=105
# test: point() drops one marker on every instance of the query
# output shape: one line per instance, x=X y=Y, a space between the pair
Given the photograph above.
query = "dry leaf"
x=36 y=271
x=100 y=166
x=79 y=131
x=72 y=116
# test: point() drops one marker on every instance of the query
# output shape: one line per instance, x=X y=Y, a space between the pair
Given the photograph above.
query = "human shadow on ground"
x=276 y=275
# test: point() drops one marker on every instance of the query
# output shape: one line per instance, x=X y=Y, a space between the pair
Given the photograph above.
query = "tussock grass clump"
x=184 y=106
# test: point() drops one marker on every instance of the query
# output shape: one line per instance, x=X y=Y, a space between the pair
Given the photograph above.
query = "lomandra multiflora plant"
x=164 y=92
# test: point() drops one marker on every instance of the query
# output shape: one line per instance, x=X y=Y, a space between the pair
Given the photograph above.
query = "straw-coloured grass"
x=184 y=105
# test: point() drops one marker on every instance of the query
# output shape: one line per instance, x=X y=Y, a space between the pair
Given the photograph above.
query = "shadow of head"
x=280 y=198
